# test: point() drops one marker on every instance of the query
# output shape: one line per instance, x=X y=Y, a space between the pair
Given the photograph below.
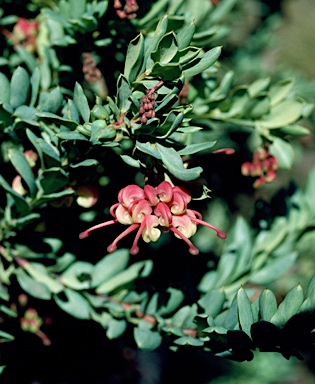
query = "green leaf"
x=78 y=275
x=258 y=86
x=170 y=71
x=39 y=273
x=71 y=135
x=7 y=337
x=53 y=179
x=52 y=196
x=185 y=35
x=116 y=328
x=31 y=286
x=109 y=266
x=173 y=162
x=260 y=107
x=274 y=268
x=149 y=149
x=81 y=102
x=153 y=42
x=101 y=132
x=155 y=10
x=131 y=161
x=5 y=89
x=123 y=93
x=245 y=313
x=27 y=57
x=289 y=306
x=231 y=319
x=194 y=148
x=27 y=114
x=145 y=338
x=42 y=147
x=294 y=130
x=267 y=305
x=100 y=112
x=76 y=305
x=35 y=83
x=187 y=54
x=188 y=340
x=169 y=125
x=212 y=302
x=310 y=287
x=280 y=90
x=19 y=87
x=176 y=298
x=53 y=101
x=125 y=277
x=20 y=163
x=134 y=58
x=203 y=63
x=85 y=163
x=52 y=118
x=283 y=114
x=77 y=8
x=283 y=151
x=166 y=49
x=20 y=203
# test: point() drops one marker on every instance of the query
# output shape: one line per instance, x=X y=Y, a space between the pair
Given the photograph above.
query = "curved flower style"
x=148 y=208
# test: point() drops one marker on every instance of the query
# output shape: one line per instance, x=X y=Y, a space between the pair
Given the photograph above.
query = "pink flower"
x=146 y=209
x=263 y=166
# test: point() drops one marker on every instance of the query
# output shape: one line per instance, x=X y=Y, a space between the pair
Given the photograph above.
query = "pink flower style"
x=146 y=209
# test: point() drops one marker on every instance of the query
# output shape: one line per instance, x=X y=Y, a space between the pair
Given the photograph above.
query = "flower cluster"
x=264 y=166
x=128 y=11
x=91 y=73
x=26 y=32
x=146 y=209
x=146 y=110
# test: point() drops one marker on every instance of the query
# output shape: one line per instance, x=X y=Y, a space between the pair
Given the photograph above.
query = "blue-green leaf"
x=194 y=148
x=76 y=305
x=173 y=162
x=81 y=102
x=5 y=89
x=245 y=313
x=19 y=87
x=289 y=306
x=31 y=286
x=145 y=338
x=134 y=58
x=203 y=63
x=109 y=266
x=267 y=305
x=20 y=163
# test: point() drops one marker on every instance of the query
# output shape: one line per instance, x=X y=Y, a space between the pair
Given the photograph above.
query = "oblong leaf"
x=289 y=306
x=267 y=305
x=81 y=102
x=76 y=305
x=207 y=60
x=109 y=266
x=20 y=163
x=134 y=58
x=19 y=87
x=245 y=313
x=5 y=89
x=173 y=162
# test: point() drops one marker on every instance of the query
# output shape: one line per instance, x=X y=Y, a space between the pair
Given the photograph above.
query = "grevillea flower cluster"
x=128 y=11
x=150 y=210
x=264 y=166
